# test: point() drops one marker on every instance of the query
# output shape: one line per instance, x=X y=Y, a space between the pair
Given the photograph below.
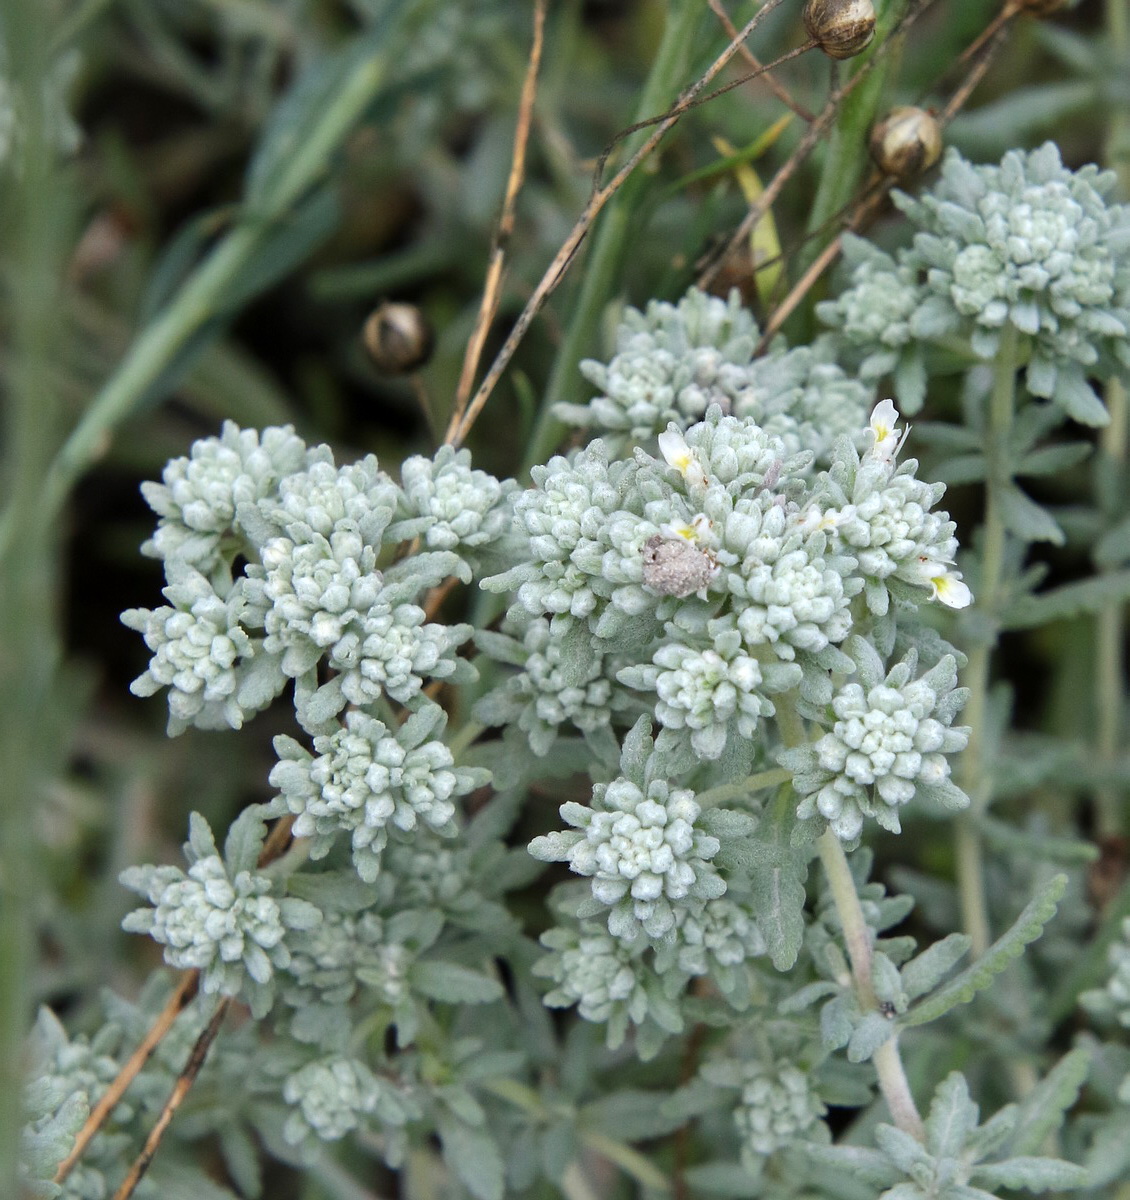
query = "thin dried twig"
x=804 y=148
x=876 y=191
x=274 y=845
x=492 y=288
x=177 y=1003
x=181 y=1088
x=771 y=82
x=600 y=197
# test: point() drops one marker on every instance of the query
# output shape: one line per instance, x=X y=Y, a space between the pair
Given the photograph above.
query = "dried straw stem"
x=771 y=82
x=599 y=198
x=180 y=1090
x=177 y=1003
x=876 y=190
x=492 y=288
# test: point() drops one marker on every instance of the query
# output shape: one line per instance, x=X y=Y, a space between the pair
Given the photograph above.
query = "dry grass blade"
x=777 y=88
x=177 y=1003
x=492 y=288
x=181 y=1088
x=600 y=197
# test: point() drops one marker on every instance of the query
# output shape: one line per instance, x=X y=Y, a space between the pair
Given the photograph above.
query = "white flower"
x=677 y=454
x=945 y=584
x=889 y=440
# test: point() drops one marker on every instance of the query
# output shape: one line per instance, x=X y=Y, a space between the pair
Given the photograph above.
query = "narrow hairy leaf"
x=961 y=989
x=1069 y=600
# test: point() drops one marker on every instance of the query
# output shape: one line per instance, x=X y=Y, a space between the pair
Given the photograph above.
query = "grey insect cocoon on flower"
x=674 y=567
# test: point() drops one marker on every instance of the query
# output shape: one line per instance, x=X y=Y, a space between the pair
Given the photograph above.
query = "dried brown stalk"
x=771 y=82
x=177 y=1003
x=492 y=288
x=180 y=1090
x=600 y=197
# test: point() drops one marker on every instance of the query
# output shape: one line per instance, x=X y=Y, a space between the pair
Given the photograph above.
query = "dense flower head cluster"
x=553 y=685
x=888 y=742
x=453 y=505
x=223 y=923
x=200 y=493
x=641 y=845
x=364 y=780
x=278 y=562
x=673 y=361
x=1027 y=248
x=65 y=1078
x=611 y=982
x=778 y=1103
x=203 y=653
x=333 y=1096
x=711 y=578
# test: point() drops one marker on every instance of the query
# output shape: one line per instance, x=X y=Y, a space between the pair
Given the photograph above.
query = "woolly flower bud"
x=889 y=743
x=712 y=693
x=198 y=496
x=608 y=980
x=364 y=781
x=358 y=499
x=803 y=398
x=716 y=935
x=777 y=1105
x=344 y=954
x=672 y=363
x=455 y=505
x=225 y=925
x=640 y=845
x=200 y=653
x=325 y=597
x=333 y=1097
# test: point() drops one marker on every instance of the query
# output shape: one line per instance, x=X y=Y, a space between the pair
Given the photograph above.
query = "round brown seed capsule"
x=906 y=142
x=841 y=28
x=398 y=338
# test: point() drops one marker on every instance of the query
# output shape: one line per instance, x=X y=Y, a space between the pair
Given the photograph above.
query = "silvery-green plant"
x=728 y=650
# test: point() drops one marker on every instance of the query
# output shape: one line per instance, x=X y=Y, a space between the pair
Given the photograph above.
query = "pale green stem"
x=974 y=761
x=758 y=782
x=1110 y=662
x=463 y=737
x=888 y=1064
x=205 y=293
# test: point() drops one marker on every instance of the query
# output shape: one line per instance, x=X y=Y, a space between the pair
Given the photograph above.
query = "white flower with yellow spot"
x=677 y=454
x=889 y=439
x=945 y=584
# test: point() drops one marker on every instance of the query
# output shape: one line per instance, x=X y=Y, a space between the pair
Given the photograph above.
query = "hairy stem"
x=1110 y=659
x=974 y=762
x=888 y=1064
